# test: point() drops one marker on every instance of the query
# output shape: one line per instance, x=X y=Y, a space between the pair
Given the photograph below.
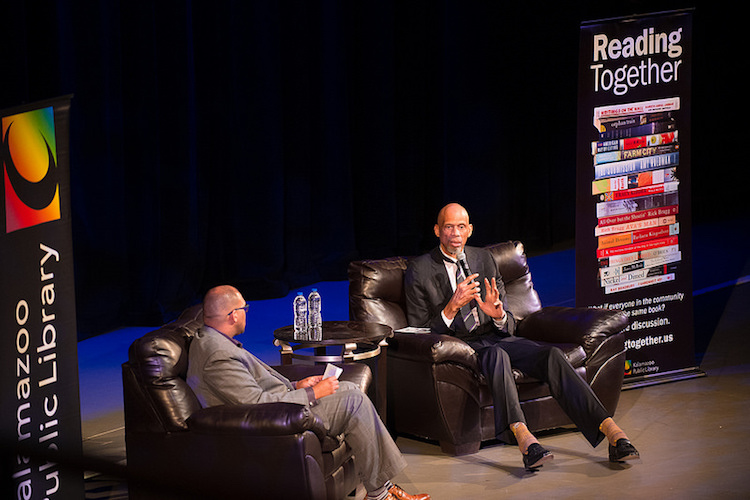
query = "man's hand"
x=325 y=387
x=466 y=291
x=308 y=382
x=492 y=306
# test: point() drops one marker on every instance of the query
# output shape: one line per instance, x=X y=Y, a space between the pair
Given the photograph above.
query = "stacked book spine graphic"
x=636 y=187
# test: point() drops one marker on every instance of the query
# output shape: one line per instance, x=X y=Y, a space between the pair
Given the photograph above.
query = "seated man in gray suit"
x=220 y=372
x=441 y=296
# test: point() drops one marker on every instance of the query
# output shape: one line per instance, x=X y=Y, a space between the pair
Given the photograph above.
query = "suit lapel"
x=440 y=275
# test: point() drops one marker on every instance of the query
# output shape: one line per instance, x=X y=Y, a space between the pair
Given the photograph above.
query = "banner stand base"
x=662 y=378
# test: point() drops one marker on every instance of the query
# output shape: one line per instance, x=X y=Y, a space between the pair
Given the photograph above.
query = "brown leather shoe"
x=397 y=493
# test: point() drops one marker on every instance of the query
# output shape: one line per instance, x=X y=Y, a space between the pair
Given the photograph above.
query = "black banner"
x=633 y=222
x=41 y=423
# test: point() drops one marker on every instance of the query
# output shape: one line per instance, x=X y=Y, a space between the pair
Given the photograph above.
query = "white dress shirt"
x=451 y=267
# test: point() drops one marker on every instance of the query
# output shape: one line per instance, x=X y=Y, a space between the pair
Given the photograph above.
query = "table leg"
x=382 y=392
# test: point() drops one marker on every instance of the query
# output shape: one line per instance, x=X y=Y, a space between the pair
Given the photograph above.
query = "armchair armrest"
x=432 y=348
x=252 y=448
x=588 y=327
x=265 y=419
x=357 y=373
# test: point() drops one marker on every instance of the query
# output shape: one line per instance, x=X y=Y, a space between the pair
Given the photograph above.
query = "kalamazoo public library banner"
x=633 y=214
x=40 y=417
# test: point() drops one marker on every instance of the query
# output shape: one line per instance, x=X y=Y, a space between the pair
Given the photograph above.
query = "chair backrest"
x=520 y=297
x=376 y=287
x=376 y=291
x=156 y=393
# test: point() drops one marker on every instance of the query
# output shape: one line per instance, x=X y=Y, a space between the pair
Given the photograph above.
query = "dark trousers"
x=498 y=355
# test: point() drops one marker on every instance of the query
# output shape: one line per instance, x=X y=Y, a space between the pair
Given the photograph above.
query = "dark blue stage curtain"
x=267 y=144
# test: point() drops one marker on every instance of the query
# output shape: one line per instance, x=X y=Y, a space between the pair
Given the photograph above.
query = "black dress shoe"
x=622 y=450
x=535 y=456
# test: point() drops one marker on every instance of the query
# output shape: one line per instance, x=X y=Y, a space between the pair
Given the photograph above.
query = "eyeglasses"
x=244 y=308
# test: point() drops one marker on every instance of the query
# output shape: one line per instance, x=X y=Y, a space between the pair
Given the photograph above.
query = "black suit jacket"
x=428 y=290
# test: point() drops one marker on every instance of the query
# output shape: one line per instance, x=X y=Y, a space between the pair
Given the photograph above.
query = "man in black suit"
x=440 y=296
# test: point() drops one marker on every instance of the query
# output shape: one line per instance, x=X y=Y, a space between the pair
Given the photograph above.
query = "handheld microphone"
x=461 y=257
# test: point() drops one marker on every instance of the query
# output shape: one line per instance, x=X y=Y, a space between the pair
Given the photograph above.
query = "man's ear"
x=471 y=231
x=437 y=230
x=231 y=319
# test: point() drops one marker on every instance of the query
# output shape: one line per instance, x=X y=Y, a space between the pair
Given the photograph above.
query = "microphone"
x=461 y=257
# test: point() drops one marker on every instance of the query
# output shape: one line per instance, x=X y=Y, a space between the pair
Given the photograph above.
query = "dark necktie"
x=469 y=311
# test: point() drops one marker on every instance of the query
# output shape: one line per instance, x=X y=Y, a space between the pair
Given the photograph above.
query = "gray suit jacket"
x=221 y=371
x=428 y=291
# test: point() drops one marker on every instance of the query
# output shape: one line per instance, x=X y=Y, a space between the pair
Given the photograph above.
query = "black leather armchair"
x=176 y=449
x=435 y=389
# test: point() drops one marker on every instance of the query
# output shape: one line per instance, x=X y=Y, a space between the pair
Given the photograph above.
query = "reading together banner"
x=633 y=229
x=40 y=418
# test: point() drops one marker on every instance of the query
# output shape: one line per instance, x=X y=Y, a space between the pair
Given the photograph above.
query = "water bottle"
x=315 y=320
x=300 y=317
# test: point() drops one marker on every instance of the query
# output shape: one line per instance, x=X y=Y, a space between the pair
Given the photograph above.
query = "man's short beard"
x=451 y=251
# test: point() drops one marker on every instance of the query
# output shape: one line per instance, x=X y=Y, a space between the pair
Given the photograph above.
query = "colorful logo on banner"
x=29 y=158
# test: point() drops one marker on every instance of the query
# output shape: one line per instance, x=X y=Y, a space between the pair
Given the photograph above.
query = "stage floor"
x=690 y=433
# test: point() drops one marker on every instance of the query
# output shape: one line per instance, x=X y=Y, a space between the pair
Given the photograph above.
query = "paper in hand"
x=332 y=371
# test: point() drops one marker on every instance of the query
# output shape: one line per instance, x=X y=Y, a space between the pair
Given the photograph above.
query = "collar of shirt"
x=451 y=266
x=448 y=258
x=231 y=339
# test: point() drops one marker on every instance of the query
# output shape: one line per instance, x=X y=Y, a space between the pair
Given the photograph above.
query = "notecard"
x=332 y=371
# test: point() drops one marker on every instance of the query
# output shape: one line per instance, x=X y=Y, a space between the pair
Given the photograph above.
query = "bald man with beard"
x=441 y=297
